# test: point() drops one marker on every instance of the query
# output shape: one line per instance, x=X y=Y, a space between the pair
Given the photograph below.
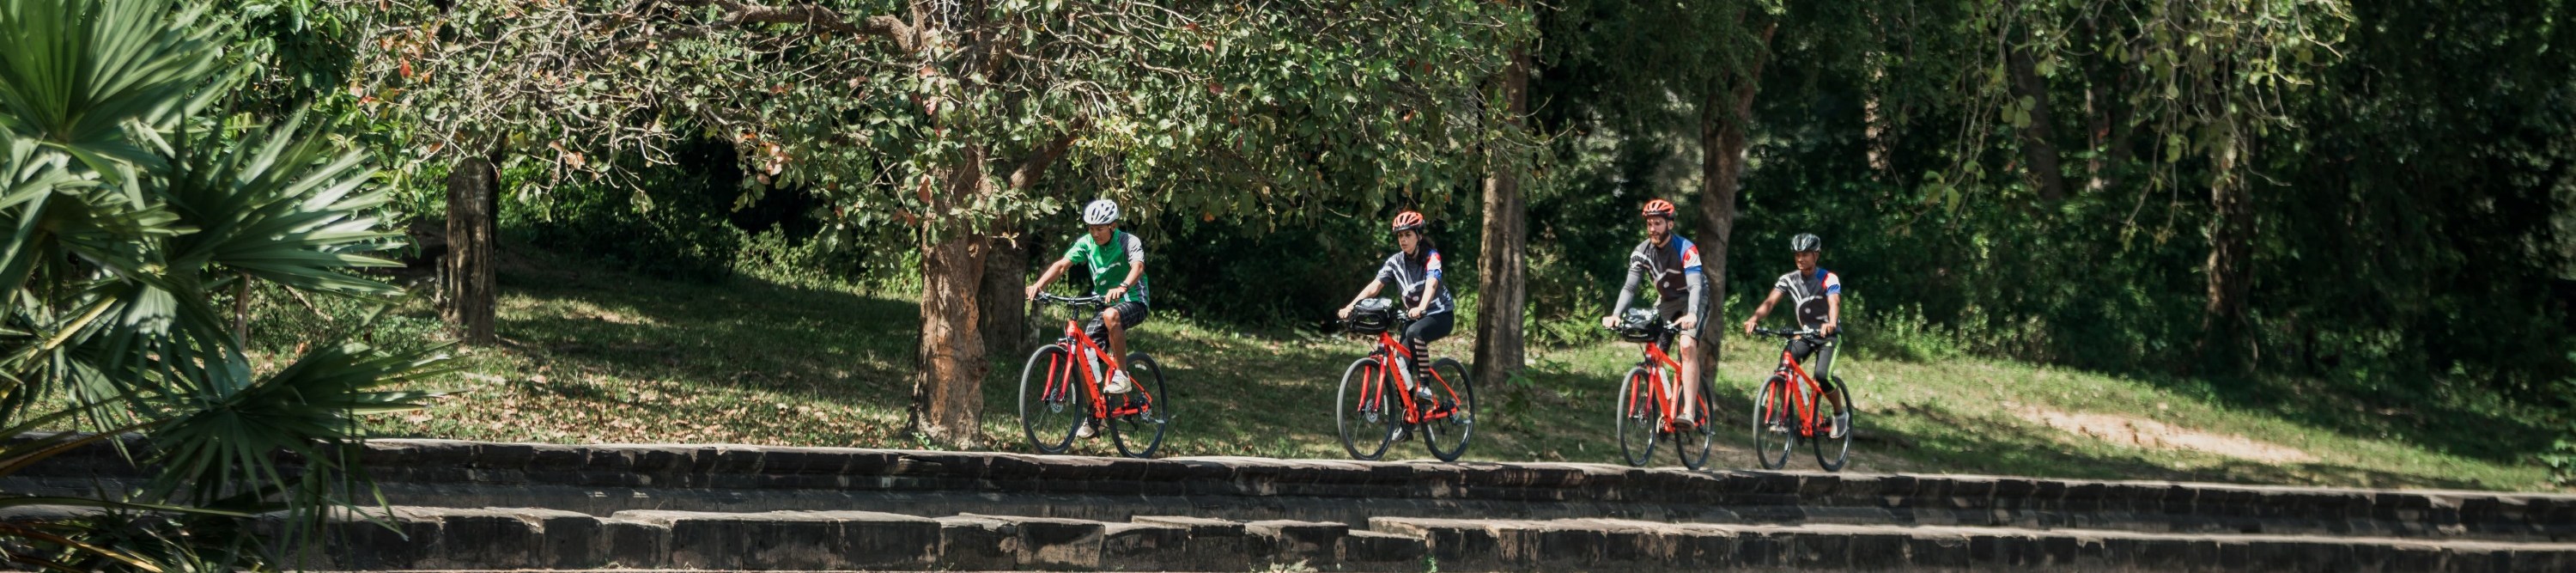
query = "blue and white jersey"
x=1807 y=294
x=1670 y=266
x=1409 y=278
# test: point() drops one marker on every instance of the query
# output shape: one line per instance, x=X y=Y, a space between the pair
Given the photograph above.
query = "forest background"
x=2370 y=198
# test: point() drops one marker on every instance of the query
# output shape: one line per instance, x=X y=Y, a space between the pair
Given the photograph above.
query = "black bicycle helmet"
x=1805 y=242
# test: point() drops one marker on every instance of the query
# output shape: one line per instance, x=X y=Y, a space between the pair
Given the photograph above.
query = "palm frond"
x=284 y=205
x=82 y=76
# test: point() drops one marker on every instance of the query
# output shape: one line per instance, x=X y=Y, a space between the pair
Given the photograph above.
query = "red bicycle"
x=1649 y=399
x=1788 y=409
x=1060 y=391
x=1373 y=406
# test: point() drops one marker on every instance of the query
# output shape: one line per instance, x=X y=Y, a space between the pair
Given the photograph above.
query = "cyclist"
x=1117 y=263
x=1818 y=297
x=1672 y=263
x=1415 y=272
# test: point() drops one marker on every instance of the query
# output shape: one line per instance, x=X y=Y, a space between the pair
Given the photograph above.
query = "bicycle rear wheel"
x=1052 y=400
x=1775 y=423
x=1640 y=419
x=1447 y=437
x=1140 y=433
x=1831 y=452
x=1693 y=446
x=1364 y=411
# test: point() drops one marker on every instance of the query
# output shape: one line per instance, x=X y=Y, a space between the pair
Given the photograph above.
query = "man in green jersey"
x=1117 y=263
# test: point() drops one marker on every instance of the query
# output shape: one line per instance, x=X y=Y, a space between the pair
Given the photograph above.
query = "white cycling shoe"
x=1118 y=384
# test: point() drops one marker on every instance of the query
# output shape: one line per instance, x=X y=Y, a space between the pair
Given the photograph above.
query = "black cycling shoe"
x=1402 y=434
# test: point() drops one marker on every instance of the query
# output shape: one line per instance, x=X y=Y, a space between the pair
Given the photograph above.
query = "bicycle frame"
x=1387 y=345
x=1074 y=342
x=1806 y=406
x=1658 y=363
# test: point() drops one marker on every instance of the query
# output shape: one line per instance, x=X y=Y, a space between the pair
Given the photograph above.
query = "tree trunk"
x=1725 y=118
x=948 y=394
x=468 y=286
x=2038 y=149
x=1875 y=138
x=2231 y=246
x=1502 y=287
x=1005 y=311
x=2109 y=130
x=1006 y=260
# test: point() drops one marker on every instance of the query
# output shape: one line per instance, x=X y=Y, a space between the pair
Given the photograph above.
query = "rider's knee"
x=1109 y=318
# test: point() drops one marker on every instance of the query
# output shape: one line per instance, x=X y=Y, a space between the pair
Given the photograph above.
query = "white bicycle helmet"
x=1100 y=212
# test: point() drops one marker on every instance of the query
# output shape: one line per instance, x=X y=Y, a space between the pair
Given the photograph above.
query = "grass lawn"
x=592 y=355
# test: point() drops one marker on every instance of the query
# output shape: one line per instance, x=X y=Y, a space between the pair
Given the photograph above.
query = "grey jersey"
x=1807 y=293
x=1409 y=278
x=1674 y=268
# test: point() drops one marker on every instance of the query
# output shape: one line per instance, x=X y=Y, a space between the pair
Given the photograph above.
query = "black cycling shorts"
x=1673 y=313
x=1130 y=314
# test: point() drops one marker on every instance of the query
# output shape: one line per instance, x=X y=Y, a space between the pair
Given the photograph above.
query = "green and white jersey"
x=1109 y=265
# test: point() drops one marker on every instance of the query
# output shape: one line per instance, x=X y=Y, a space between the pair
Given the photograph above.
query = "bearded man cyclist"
x=1672 y=264
x=1817 y=294
x=1117 y=263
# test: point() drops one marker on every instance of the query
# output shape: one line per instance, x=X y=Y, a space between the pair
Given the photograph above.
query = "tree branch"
x=1035 y=165
x=906 y=36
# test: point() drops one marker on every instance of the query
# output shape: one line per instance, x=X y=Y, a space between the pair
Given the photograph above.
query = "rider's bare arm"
x=1428 y=286
x=1049 y=276
x=1365 y=292
x=1135 y=268
x=1833 y=313
x=1762 y=311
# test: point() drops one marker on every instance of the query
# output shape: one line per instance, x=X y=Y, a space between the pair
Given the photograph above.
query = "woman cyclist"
x=1415 y=272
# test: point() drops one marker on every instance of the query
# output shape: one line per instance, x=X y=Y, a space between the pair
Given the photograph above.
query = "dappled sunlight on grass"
x=593 y=356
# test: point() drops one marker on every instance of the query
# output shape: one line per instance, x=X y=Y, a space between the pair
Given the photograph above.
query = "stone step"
x=536 y=539
x=426 y=538
x=604 y=480
x=1627 y=545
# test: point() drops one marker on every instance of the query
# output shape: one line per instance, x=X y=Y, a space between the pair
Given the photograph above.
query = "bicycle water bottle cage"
x=1372 y=316
x=1640 y=325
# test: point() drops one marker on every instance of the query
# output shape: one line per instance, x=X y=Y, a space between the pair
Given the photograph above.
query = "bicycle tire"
x=1773 y=423
x=1638 y=419
x=1840 y=446
x=1154 y=420
x=1705 y=434
x=1354 y=421
x=1050 y=421
x=1456 y=430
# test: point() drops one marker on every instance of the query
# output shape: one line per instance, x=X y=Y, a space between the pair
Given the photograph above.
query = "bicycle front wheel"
x=1640 y=417
x=1052 y=401
x=1364 y=411
x=1831 y=452
x=1693 y=446
x=1140 y=432
x=1775 y=423
x=1447 y=437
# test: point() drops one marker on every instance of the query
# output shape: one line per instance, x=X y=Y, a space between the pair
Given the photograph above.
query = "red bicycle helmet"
x=1407 y=221
x=1658 y=208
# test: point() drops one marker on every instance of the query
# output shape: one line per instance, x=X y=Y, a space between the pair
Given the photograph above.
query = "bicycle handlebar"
x=1093 y=300
x=1660 y=327
x=1781 y=332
